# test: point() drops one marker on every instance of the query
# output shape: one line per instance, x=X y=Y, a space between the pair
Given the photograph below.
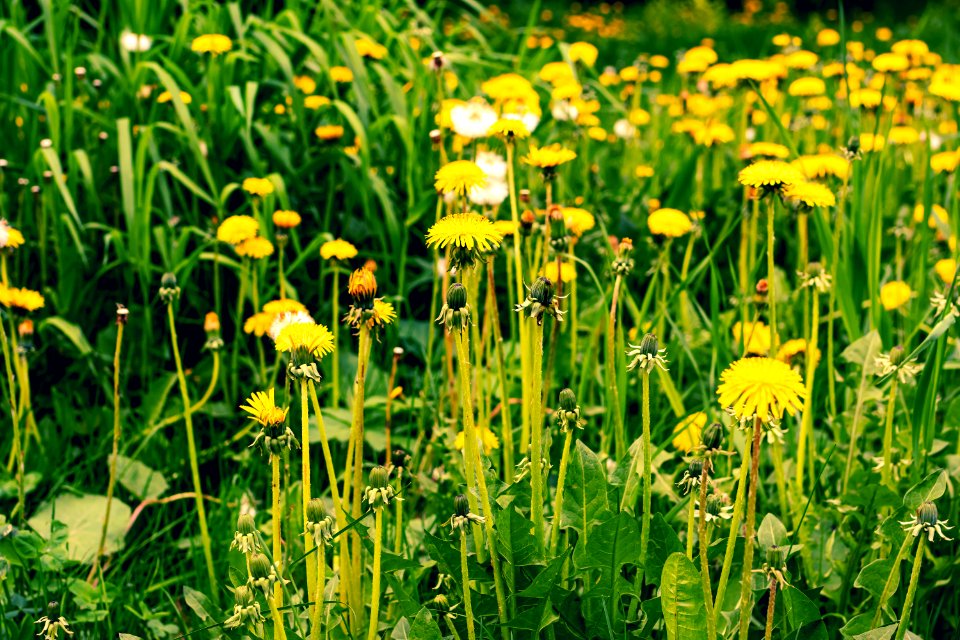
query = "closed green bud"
x=649 y=346
x=243 y=596
x=461 y=507
x=169 y=291
x=927 y=514
x=695 y=470
x=259 y=566
x=315 y=510
x=168 y=281
x=776 y=556
x=715 y=504
x=379 y=478
x=712 y=436
x=568 y=400
x=245 y=524
x=542 y=291
x=456 y=296
x=897 y=356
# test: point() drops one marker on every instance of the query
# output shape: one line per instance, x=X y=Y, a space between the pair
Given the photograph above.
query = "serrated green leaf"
x=585 y=497
x=681 y=598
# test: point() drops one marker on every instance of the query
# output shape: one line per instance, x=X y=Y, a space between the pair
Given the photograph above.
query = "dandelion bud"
x=315 y=510
x=456 y=296
x=525 y=195
x=542 y=290
x=362 y=286
x=762 y=287
x=568 y=400
x=776 y=557
x=379 y=477
x=245 y=524
x=649 y=346
x=122 y=314
x=243 y=596
x=260 y=566
x=715 y=504
x=623 y=264
x=853 y=146
x=435 y=137
x=169 y=291
x=211 y=322
x=461 y=507
x=437 y=61
x=897 y=356
x=927 y=514
x=25 y=329
x=695 y=470
x=527 y=220
x=712 y=436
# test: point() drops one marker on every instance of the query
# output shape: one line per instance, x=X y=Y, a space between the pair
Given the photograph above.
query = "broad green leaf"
x=139 y=479
x=424 y=627
x=71 y=332
x=771 y=532
x=681 y=598
x=83 y=517
x=198 y=602
x=882 y=633
x=535 y=618
x=517 y=542
x=928 y=489
x=864 y=351
x=795 y=608
x=663 y=543
x=873 y=577
x=585 y=497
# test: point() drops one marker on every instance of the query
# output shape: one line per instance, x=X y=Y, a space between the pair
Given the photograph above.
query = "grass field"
x=441 y=320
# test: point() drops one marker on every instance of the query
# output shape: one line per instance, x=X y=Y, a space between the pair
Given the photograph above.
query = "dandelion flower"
x=548 y=158
x=459 y=176
x=236 y=229
x=894 y=295
x=945 y=161
x=328 y=132
x=792 y=348
x=22 y=300
x=773 y=174
x=470 y=235
x=286 y=219
x=367 y=48
x=485 y=437
x=362 y=285
x=578 y=221
x=213 y=43
x=338 y=249
x=755 y=336
x=259 y=324
x=567 y=272
x=166 y=96
x=761 y=387
x=823 y=165
x=509 y=129
x=283 y=305
x=583 y=52
x=255 y=248
x=770 y=150
x=946 y=269
x=807 y=87
x=383 y=312
x=10 y=238
x=316 y=102
x=307 y=338
x=341 y=74
x=810 y=194
x=258 y=186
x=262 y=407
x=671 y=223
x=686 y=435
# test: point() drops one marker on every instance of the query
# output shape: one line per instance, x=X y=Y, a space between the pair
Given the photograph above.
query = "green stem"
x=467 y=608
x=319 y=608
x=375 y=589
x=278 y=631
x=536 y=432
x=305 y=486
x=771 y=277
x=558 y=500
x=192 y=450
x=505 y=414
x=771 y=609
x=746 y=591
x=647 y=470
x=734 y=524
x=277 y=552
x=892 y=579
x=807 y=417
x=887 y=475
x=911 y=590
x=17 y=449
x=691 y=523
x=116 y=448
x=704 y=550
x=335 y=295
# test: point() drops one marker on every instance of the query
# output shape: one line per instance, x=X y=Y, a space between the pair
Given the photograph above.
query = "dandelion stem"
x=375 y=589
x=192 y=450
x=691 y=523
x=734 y=525
x=558 y=500
x=704 y=551
x=746 y=591
x=111 y=484
x=771 y=608
x=17 y=449
x=911 y=589
x=647 y=470
x=886 y=471
x=892 y=578
x=305 y=483
x=319 y=607
x=536 y=432
x=807 y=417
x=771 y=276
x=505 y=415
x=276 y=525
x=465 y=572
x=335 y=324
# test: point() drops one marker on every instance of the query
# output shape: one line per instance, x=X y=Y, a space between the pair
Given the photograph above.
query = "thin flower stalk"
x=375 y=587
x=911 y=589
x=746 y=591
x=704 y=552
x=505 y=412
x=734 y=525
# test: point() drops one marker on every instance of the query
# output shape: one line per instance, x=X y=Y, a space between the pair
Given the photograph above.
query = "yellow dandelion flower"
x=259 y=323
x=23 y=300
x=211 y=322
x=810 y=194
x=871 y=142
x=507 y=86
x=686 y=435
x=568 y=272
x=807 y=87
x=305 y=84
x=316 y=102
x=945 y=161
x=383 y=312
x=903 y=135
x=509 y=129
x=166 y=96
x=550 y=157
x=761 y=387
x=827 y=38
x=671 y=223
x=236 y=229
x=255 y=248
x=895 y=294
x=341 y=74
x=578 y=221
x=10 y=238
x=643 y=171
x=469 y=232
x=459 y=176
x=822 y=165
x=262 y=407
x=890 y=63
x=286 y=219
x=306 y=338
x=283 y=305
x=328 y=132
x=367 y=48
x=946 y=269
x=754 y=335
x=773 y=174
x=258 y=186
x=362 y=284
x=938 y=215
x=485 y=436
x=213 y=43
x=506 y=227
x=338 y=249
x=792 y=348
x=583 y=52
x=769 y=150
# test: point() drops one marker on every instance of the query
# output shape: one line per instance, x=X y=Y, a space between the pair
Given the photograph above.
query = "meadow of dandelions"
x=339 y=321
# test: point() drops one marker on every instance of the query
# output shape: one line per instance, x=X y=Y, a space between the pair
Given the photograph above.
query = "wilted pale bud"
x=122 y=314
x=315 y=510
x=260 y=566
x=437 y=61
